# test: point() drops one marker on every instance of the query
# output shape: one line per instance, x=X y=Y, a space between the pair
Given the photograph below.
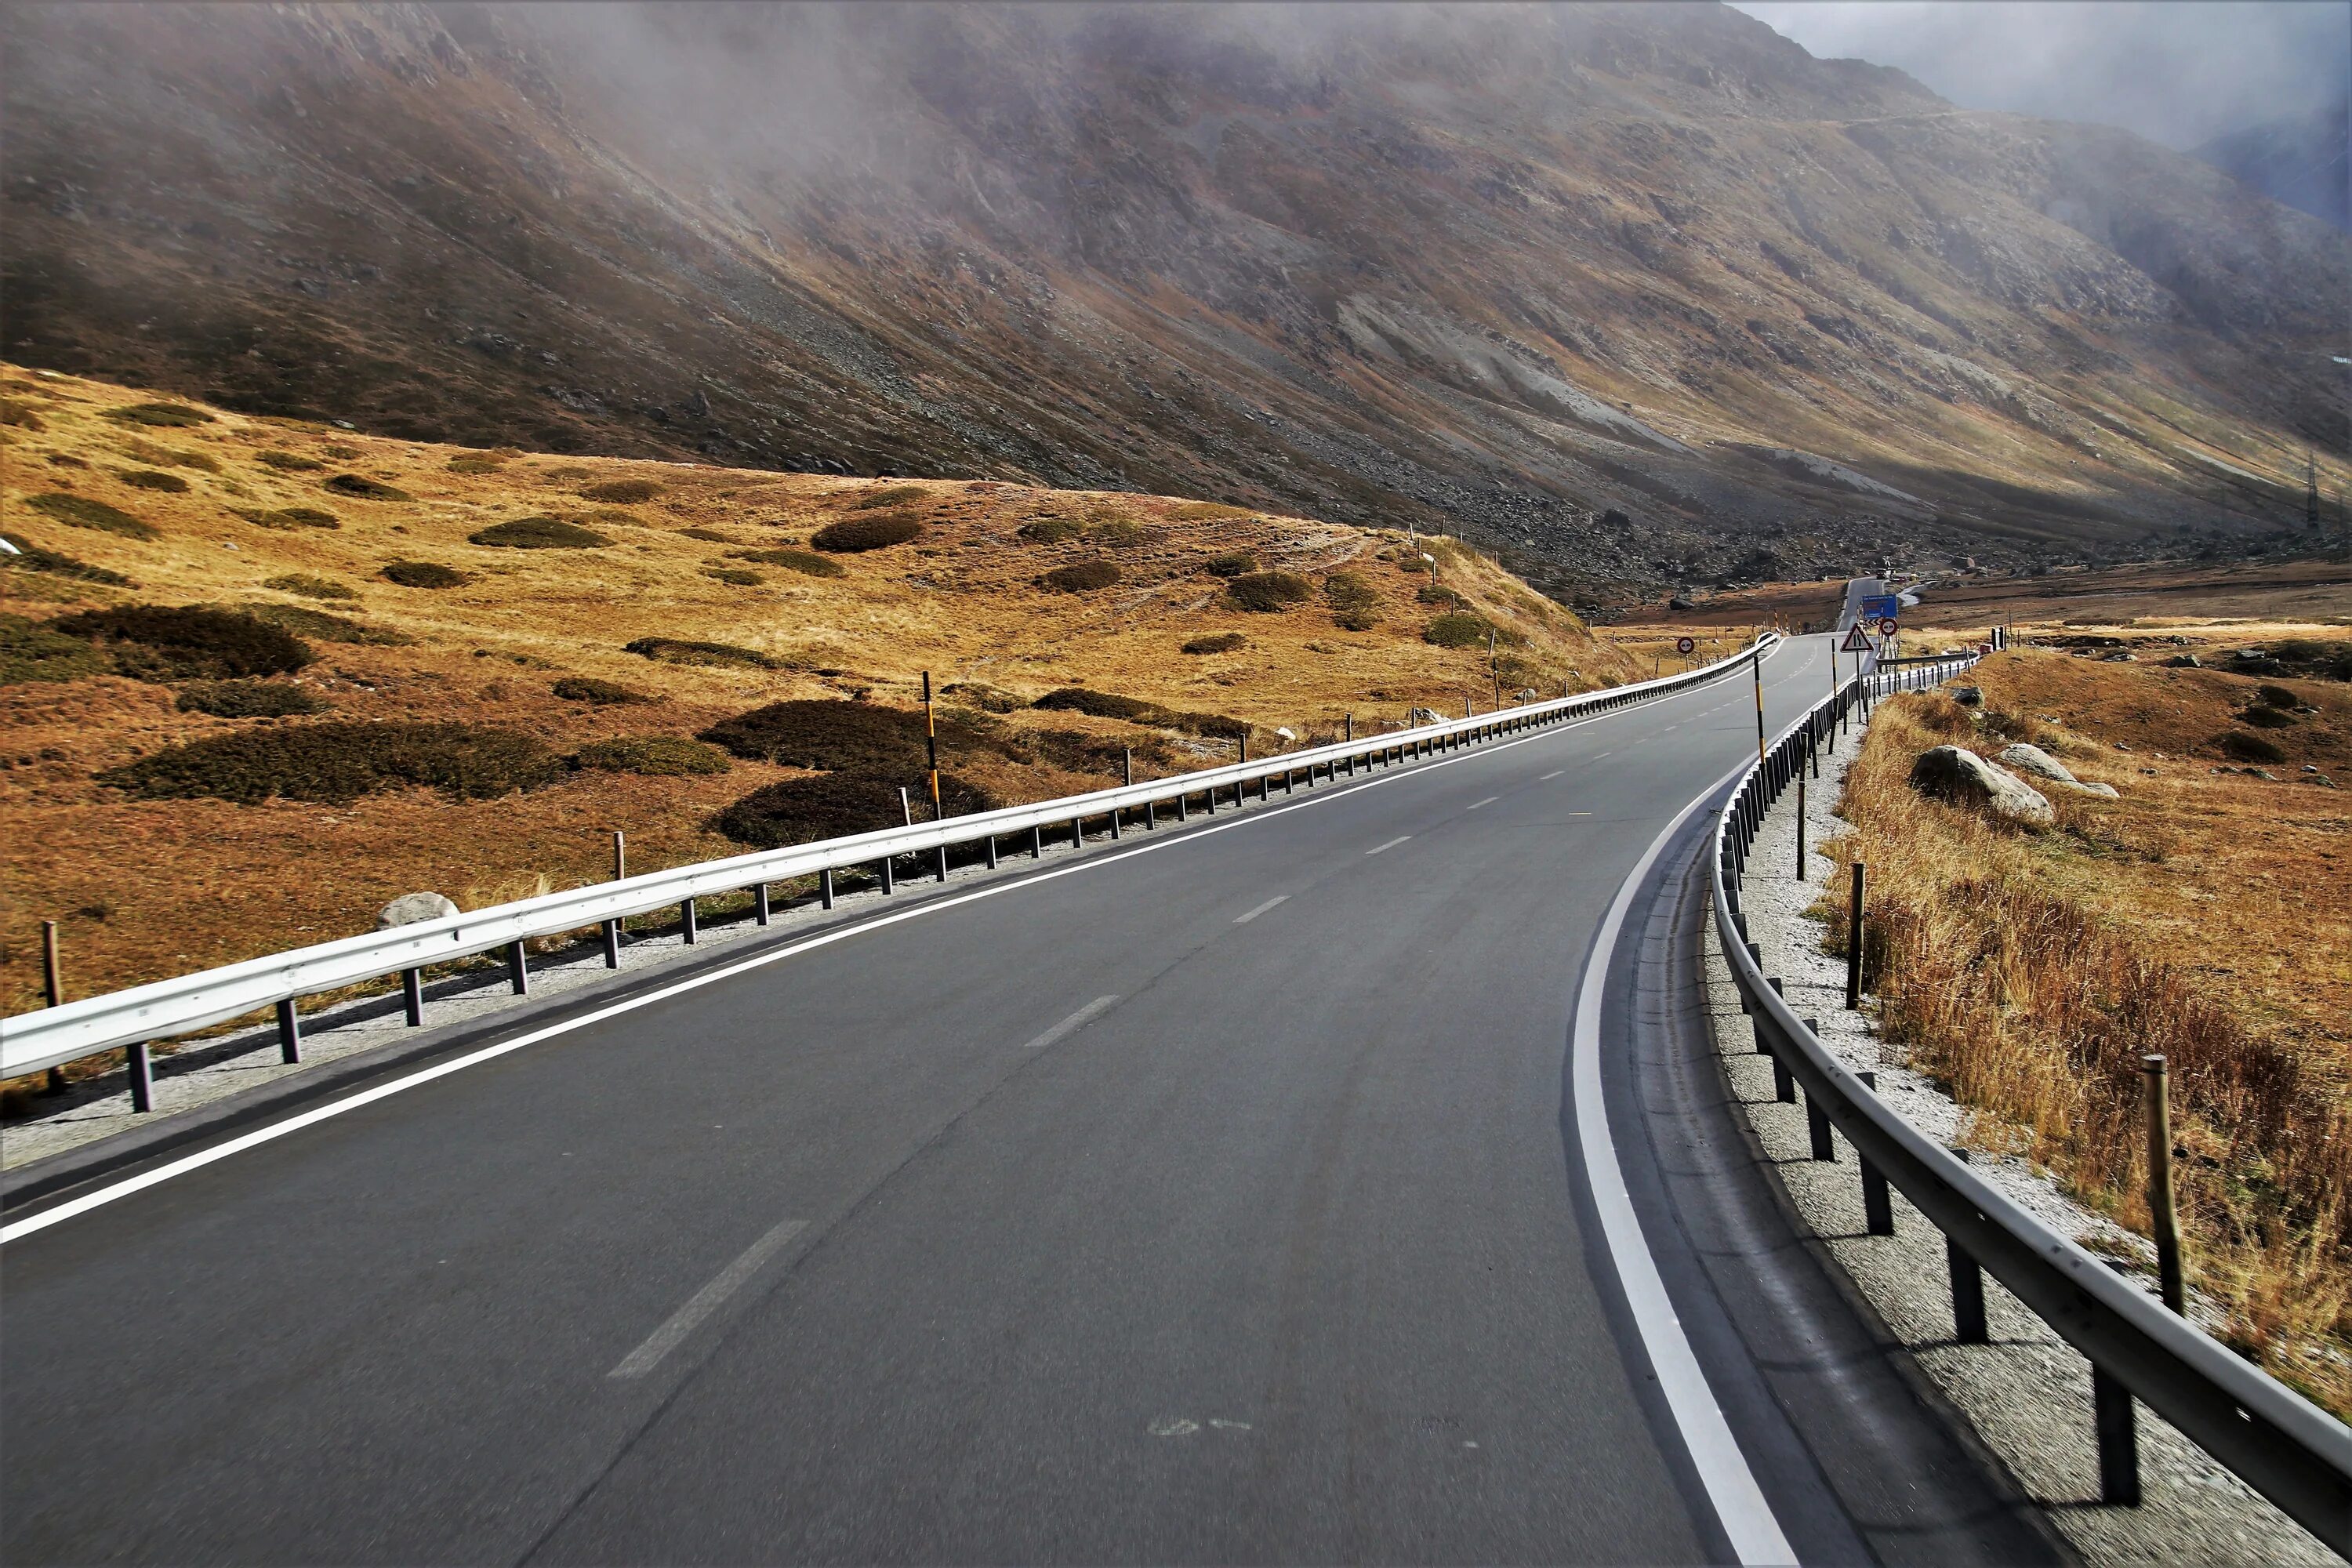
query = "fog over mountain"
x=1649 y=293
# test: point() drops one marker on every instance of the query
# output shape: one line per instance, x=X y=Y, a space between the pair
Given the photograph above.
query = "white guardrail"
x=51 y=1036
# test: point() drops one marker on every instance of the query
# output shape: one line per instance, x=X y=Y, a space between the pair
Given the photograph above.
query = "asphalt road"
x=1207 y=1199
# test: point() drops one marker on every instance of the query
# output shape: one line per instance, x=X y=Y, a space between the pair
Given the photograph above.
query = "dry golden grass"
x=2204 y=916
x=146 y=889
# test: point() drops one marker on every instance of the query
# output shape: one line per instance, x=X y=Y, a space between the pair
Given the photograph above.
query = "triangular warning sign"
x=1856 y=641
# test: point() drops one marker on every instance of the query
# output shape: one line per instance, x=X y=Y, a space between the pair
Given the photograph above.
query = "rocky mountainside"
x=1641 y=294
x=2303 y=161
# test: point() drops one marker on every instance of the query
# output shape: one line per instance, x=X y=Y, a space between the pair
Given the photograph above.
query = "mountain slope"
x=1520 y=269
x=2303 y=161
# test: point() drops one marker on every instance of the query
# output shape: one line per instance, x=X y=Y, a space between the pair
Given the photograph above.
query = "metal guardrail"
x=133 y=1018
x=2278 y=1443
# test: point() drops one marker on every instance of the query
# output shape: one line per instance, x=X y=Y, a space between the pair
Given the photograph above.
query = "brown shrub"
x=1082 y=576
x=852 y=535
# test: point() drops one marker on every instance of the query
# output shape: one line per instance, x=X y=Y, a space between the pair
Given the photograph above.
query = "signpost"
x=1685 y=645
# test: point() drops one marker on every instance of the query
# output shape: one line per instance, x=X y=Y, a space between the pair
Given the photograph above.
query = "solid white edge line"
x=1243 y=919
x=1739 y=1503
x=705 y=1301
x=1078 y=1020
x=100 y=1197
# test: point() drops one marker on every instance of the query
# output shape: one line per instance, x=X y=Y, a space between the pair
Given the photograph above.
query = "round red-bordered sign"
x=1886 y=629
x=1685 y=645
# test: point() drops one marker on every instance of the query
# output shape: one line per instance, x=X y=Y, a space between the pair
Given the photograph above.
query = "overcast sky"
x=2177 y=71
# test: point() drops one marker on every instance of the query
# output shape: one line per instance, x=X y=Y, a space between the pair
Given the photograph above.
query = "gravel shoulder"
x=2027 y=1393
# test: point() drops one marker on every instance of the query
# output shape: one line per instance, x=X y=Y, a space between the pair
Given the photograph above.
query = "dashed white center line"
x=1244 y=920
x=1598 y=755
x=1078 y=1020
x=1389 y=845
x=1551 y=775
x=1488 y=801
x=705 y=1301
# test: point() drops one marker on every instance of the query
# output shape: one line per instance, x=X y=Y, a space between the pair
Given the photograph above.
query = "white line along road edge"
x=1740 y=1504
x=102 y=1195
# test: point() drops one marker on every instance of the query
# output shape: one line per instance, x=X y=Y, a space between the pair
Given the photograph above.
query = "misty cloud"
x=2177 y=71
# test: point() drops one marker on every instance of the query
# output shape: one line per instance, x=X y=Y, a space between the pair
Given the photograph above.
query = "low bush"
x=623 y=493
x=365 y=489
x=1355 y=607
x=675 y=650
x=1081 y=576
x=1232 y=564
x=852 y=535
x=1211 y=511
x=31 y=651
x=734 y=574
x=171 y=456
x=1135 y=711
x=152 y=479
x=834 y=736
x=1266 y=592
x=303 y=621
x=189 y=641
x=288 y=519
x=1431 y=593
x=807 y=562
x=291 y=462
x=21 y=415
x=249 y=700
x=538 y=533
x=1224 y=642
x=2262 y=716
x=1050 y=530
x=603 y=693
x=77 y=512
x=1455 y=628
x=2277 y=697
x=31 y=557
x=1118 y=533
x=667 y=755
x=2248 y=748
x=425 y=574
x=833 y=805
x=159 y=416
x=310 y=587
x=888 y=495
x=337 y=762
x=476 y=463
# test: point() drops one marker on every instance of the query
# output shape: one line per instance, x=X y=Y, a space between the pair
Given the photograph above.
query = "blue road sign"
x=1882 y=608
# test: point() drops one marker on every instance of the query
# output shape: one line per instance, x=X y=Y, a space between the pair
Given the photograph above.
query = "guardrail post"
x=412 y=993
x=139 y=1064
x=1801 y=827
x=944 y=862
x=1817 y=1122
x=990 y=850
x=613 y=927
x=1967 y=1294
x=1184 y=806
x=289 y=1032
x=824 y=888
x=1877 y=1207
x=686 y=926
x=518 y=969
x=1077 y=833
x=53 y=987
x=889 y=878
x=760 y=902
x=2116 y=1421
x=1854 y=942
x=1037 y=842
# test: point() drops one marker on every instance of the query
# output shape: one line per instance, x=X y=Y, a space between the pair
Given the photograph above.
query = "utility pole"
x=1756 y=663
x=931 y=747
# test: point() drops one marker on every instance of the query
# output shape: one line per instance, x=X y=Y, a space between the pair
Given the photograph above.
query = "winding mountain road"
x=1220 y=1195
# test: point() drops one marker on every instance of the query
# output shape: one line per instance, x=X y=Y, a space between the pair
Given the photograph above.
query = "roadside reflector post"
x=1853 y=941
x=2164 y=1217
x=1877 y=1207
x=53 y=987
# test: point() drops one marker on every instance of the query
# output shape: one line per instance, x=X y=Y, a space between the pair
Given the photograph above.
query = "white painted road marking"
x=1384 y=849
x=99 y=1197
x=1488 y=801
x=1739 y=1503
x=1244 y=920
x=1598 y=755
x=1551 y=775
x=1078 y=1020
x=705 y=1301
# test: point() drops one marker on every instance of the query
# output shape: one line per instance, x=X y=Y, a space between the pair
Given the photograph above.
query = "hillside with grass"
x=2204 y=912
x=258 y=676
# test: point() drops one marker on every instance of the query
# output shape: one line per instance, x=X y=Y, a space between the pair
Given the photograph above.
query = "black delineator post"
x=518 y=969
x=687 y=928
x=412 y=996
x=1800 y=827
x=760 y=902
x=53 y=988
x=2163 y=1215
x=289 y=1032
x=824 y=888
x=139 y=1064
x=1854 y=942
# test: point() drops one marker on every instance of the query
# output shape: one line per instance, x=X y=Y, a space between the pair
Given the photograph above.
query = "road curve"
x=1210 y=1199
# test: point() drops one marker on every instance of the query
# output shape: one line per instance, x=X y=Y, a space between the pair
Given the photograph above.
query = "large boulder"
x=1967 y=696
x=1952 y=774
x=410 y=908
x=2033 y=760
